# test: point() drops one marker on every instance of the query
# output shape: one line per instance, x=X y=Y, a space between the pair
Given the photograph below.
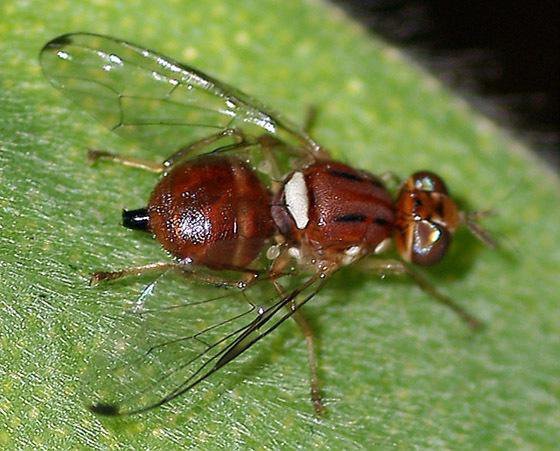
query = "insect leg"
x=196 y=146
x=248 y=276
x=397 y=267
x=470 y=219
x=94 y=155
x=279 y=264
x=246 y=279
x=268 y=145
x=100 y=276
x=307 y=331
x=310 y=119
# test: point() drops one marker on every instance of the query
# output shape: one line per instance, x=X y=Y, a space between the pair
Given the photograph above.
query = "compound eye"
x=428 y=181
x=429 y=243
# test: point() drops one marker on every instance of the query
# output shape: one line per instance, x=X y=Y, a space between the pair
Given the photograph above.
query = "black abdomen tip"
x=136 y=219
x=108 y=410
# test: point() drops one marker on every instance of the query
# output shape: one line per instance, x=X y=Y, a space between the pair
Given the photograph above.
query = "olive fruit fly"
x=246 y=200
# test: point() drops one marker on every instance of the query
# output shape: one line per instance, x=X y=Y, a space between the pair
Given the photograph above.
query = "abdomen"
x=213 y=211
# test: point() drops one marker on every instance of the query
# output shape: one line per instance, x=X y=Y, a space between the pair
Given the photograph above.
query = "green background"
x=398 y=371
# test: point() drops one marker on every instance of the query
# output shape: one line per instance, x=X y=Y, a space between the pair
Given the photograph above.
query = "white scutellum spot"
x=383 y=246
x=297 y=200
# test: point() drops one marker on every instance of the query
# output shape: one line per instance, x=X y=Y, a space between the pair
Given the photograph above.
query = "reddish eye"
x=429 y=243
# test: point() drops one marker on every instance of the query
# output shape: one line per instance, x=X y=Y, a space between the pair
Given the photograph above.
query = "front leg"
x=391 y=266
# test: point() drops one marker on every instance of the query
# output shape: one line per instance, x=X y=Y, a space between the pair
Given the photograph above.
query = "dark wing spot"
x=351 y=217
x=345 y=175
x=108 y=410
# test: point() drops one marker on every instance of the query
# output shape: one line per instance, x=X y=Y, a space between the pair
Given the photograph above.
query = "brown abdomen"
x=212 y=210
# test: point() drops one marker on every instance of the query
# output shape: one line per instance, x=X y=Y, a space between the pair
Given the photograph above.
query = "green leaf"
x=397 y=370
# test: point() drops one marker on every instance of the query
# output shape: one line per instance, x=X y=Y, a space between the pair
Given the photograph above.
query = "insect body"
x=212 y=210
x=332 y=212
x=250 y=196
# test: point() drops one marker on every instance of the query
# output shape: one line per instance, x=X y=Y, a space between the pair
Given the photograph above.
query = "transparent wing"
x=155 y=101
x=160 y=347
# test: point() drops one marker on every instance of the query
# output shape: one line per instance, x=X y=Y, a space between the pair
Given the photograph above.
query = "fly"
x=254 y=213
